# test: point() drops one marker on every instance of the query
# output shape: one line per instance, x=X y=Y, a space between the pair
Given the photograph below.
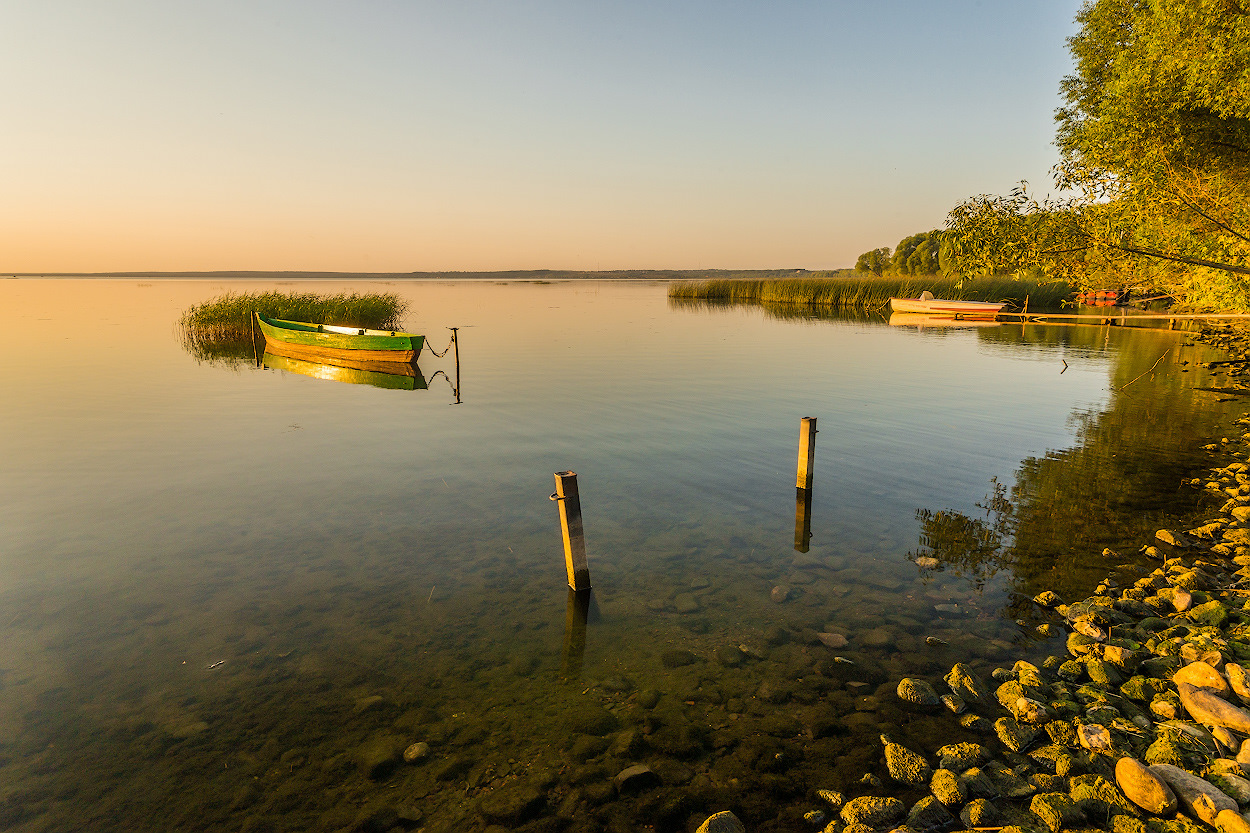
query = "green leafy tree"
x=1155 y=144
x=875 y=261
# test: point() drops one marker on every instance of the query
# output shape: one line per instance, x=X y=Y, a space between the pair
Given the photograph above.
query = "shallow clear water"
x=222 y=586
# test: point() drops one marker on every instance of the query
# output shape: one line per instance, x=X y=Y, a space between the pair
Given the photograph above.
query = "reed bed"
x=214 y=329
x=873 y=293
x=229 y=318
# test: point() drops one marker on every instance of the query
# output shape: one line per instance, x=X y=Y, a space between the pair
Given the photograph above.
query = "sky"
x=465 y=136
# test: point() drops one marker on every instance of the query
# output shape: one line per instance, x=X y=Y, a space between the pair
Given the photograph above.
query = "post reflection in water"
x=802 y=519
x=581 y=609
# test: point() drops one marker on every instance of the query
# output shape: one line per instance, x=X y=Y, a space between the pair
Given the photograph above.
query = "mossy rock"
x=1143 y=689
x=1062 y=732
x=948 y=788
x=1098 y=798
x=1013 y=734
x=873 y=811
x=1056 y=810
x=961 y=756
x=1209 y=615
x=1164 y=751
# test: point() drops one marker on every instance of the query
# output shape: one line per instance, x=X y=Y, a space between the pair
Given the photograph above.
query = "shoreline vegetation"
x=226 y=322
x=873 y=293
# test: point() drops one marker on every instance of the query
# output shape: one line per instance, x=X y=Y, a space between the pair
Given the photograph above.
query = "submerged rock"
x=917 y=692
x=905 y=766
x=873 y=811
x=722 y=822
x=964 y=683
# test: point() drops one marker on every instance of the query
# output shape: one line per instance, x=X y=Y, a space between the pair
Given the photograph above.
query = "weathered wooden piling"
x=571 y=527
x=803 y=519
x=575 y=617
x=807 y=453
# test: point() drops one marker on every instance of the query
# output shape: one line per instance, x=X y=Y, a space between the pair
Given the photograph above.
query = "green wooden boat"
x=326 y=342
x=393 y=375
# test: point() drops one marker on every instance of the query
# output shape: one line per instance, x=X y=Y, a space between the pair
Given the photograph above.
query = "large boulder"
x=1144 y=788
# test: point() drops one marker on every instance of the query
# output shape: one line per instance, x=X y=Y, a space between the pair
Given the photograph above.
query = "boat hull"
x=313 y=342
x=941 y=306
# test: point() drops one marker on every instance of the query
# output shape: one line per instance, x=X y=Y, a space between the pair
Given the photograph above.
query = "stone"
x=917 y=692
x=961 y=756
x=1196 y=796
x=1229 y=821
x=1201 y=675
x=1144 y=788
x=1233 y=785
x=833 y=798
x=954 y=703
x=511 y=804
x=929 y=814
x=417 y=752
x=686 y=603
x=378 y=756
x=1047 y=599
x=593 y=719
x=1029 y=710
x=1094 y=737
x=833 y=640
x=979 y=812
x=1172 y=539
x=905 y=766
x=780 y=594
x=676 y=658
x=1238 y=681
x=1209 y=710
x=947 y=788
x=873 y=811
x=1098 y=798
x=1056 y=810
x=1212 y=614
x=722 y=822
x=729 y=656
x=964 y=683
x=1013 y=735
x=635 y=779
x=977 y=783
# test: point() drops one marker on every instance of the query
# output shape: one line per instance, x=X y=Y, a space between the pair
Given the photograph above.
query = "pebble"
x=417 y=752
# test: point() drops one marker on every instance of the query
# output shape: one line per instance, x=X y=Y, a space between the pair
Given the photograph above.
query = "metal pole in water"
x=807 y=453
x=803 y=519
x=571 y=527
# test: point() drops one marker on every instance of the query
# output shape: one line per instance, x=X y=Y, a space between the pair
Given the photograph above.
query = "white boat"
x=929 y=305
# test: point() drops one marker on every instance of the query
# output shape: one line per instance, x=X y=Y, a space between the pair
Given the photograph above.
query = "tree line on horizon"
x=1154 y=170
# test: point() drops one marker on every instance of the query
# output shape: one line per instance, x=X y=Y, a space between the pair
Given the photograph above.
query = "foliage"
x=872 y=293
x=874 y=262
x=217 y=328
x=1155 y=144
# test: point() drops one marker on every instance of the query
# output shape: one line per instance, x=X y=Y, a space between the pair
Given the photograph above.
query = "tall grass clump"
x=871 y=293
x=215 y=328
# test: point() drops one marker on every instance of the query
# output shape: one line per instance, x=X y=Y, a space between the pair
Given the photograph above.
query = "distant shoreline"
x=519 y=274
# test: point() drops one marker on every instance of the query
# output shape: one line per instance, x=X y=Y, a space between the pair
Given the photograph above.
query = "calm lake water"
x=229 y=595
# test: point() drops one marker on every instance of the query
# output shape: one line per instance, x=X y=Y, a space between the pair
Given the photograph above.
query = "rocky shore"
x=1142 y=727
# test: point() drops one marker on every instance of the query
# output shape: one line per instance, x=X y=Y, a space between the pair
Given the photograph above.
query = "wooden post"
x=455 y=339
x=802 y=519
x=575 y=617
x=807 y=453
x=571 y=527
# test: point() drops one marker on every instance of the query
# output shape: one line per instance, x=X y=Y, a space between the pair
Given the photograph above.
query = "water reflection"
x=582 y=608
x=391 y=375
x=803 y=519
x=920 y=321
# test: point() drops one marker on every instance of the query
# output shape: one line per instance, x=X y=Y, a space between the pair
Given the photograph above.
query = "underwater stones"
x=917 y=692
x=511 y=804
x=1197 y=797
x=379 y=755
x=1144 y=788
x=947 y=788
x=1056 y=810
x=953 y=703
x=833 y=798
x=1201 y=675
x=1172 y=539
x=416 y=752
x=729 y=656
x=929 y=814
x=833 y=640
x=591 y=719
x=873 y=811
x=905 y=766
x=1014 y=735
x=979 y=812
x=676 y=658
x=722 y=822
x=635 y=779
x=780 y=594
x=976 y=723
x=964 y=683
x=1210 y=710
x=1047 y=599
